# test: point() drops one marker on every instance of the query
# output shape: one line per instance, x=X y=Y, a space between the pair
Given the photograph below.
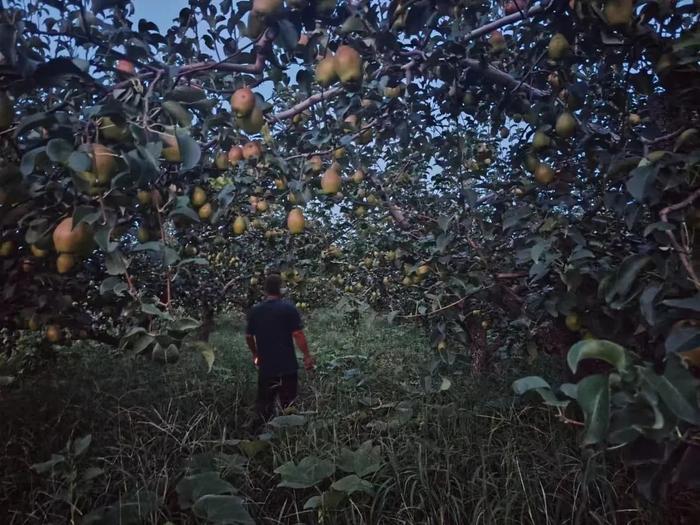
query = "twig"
x=682 y=252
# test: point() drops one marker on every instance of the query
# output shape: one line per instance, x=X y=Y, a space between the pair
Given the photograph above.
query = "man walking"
x=274 y=325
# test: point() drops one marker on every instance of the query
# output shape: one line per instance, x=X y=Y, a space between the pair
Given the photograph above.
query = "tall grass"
x=450 y=457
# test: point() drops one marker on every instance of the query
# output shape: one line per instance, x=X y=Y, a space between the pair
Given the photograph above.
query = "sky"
x=160 y=12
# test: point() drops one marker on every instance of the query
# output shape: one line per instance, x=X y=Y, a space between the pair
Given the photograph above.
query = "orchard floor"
x=465 y=455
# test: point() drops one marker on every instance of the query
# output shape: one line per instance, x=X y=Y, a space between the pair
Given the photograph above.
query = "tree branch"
x=307 y=103
x=682 y=252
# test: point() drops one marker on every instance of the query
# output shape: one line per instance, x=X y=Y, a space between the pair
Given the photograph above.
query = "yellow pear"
x=295 y=221
x=544 y=174
x=240 y=225
x=566 y=125
x=221 y=161
x=331 y=181
x=67 y=239
x=558 y=47
x=171 y=149
x=253 y=123
x=205 y=212
x=348 y=65
x=540 y=141
x=618 y=12
x=65 y=262
x=243 y=102
x=325 y=71
x=111 y=131
x=199 y=197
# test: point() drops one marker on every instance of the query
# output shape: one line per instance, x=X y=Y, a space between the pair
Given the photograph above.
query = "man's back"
x=272 y=322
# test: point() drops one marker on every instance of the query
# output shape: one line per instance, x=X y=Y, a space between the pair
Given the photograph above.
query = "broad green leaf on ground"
x=293 y=420
x=307 y=473
x=191 y=488
x=593 y=396
x=365 y=460
x=222 y=510
x=328 y=500
x=351 y=484
x=252 y=448
x=597 y=349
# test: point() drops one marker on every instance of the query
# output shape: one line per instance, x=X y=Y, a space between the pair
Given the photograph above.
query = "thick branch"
x=307 y=103
x=501 y=77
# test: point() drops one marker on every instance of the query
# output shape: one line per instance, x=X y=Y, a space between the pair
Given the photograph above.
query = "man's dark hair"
x=273 y=284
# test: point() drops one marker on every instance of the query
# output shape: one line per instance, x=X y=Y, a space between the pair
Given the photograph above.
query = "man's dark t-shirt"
x=272 y=322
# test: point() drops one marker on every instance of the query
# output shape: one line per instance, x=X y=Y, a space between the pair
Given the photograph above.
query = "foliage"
x=167 y=437
x=655 y=417
x=483 y=167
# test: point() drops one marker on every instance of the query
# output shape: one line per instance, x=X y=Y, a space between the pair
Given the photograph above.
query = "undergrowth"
x=466 y=453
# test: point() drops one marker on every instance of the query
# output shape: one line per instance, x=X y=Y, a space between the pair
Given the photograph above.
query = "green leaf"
x=46 y=466
x=682 y=339
x=624 y=278
x=328 y=500
x=30 y=159
x=222 y=510
x=525 y=384
x=677 y=388
x=641 y=181
x=309 y=472
x=363 y=461
x=351 y=484
x=115 y=263
x=593 y=396
x=59 y=150
x=80 y=445
x=189 y=150
x=292 y=420
x=687 y=303
x=597 y=349
x=191 y=488
x=178 y=112
x=209 y=357
x=252 y=448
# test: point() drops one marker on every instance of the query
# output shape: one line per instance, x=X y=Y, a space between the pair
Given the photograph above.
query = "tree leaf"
x=677 y=388
x=625 y=276
x=597 y=349
x=641 y=181
x=178 y=112
x=59 y=150
x=687 y=303
x=593 y=396
x=189 y=150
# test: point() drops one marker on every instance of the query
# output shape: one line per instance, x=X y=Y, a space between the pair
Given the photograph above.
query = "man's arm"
x=300 y=340
x=250 y=341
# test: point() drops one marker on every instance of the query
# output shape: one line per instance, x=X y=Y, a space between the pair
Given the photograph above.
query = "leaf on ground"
x=222 y=510
x=351 y=484
x=192 y=488
x=365 y=460
x=307 y=473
